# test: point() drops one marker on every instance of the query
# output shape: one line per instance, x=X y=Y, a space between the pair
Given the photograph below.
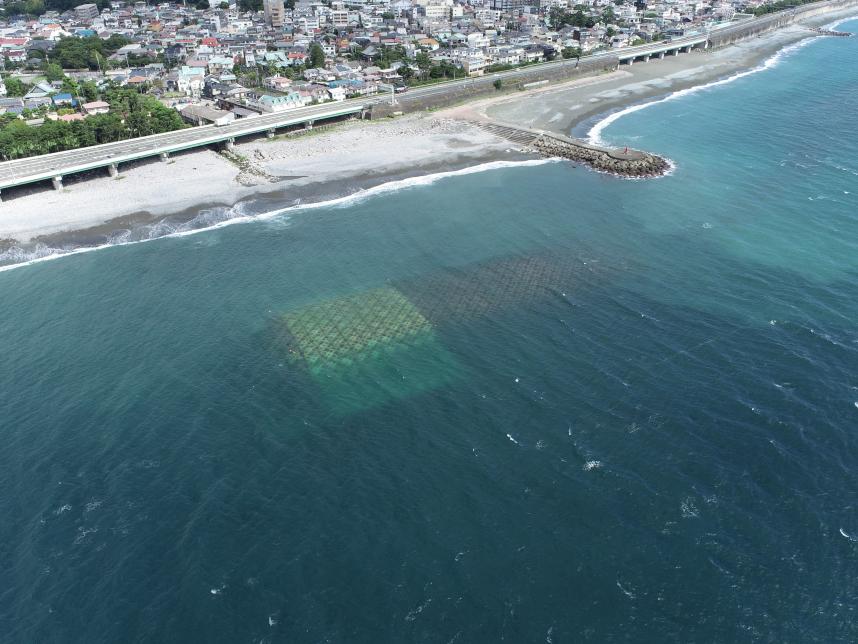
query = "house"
x=266 y=103
x=11 y=105
x=63 y=100
x=204 y=115
x=219 y=64
x=188 y=80
x=96 y=107
x=278 y=83
x=337 y=93
x=36 y=103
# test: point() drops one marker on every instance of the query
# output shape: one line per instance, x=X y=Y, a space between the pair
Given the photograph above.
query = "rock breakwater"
x=624 y=163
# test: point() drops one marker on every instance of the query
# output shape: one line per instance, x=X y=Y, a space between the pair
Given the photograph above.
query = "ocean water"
x=527 y=404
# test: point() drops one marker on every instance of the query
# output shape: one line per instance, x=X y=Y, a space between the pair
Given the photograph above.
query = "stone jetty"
x=620 y=162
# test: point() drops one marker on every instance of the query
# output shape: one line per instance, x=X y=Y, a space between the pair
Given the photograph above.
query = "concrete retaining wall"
x=484 y=85
x=565 y=70
x=763 y=24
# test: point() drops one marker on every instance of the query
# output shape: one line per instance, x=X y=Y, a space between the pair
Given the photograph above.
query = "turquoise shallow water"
x=534 y=404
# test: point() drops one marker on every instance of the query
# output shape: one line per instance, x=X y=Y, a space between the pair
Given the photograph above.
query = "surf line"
x=594 y=135
x=45 y=255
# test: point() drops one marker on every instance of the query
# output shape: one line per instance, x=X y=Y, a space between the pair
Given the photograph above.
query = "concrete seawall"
x=483 y=86
x=763 y=24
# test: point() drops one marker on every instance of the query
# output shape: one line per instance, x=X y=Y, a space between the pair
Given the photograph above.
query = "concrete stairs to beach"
x=514 y=134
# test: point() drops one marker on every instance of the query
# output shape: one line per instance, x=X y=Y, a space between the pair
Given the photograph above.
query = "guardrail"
x=55 y=165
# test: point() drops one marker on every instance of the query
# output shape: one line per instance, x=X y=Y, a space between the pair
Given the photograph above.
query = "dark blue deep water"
x=532 y=404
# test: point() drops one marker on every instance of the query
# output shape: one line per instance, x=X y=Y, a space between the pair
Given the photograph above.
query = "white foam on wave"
x=595 y=134
x=212 y=219
x=840 y=21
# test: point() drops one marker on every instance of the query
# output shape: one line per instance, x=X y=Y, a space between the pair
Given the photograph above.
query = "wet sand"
x=568 y=107
x=202 y=188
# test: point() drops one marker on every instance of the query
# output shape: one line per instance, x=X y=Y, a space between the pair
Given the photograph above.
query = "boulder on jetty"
x=831 y=32
x=624 y=163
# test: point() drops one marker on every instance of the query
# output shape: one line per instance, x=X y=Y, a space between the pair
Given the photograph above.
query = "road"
x=48 y=166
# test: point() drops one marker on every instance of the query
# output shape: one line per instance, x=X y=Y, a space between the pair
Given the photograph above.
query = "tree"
x=83 y=53
x=571 y=52
x=14 y=87
x=223 y=6
x=88 y=90
x=317 y=55
x=406 y=72
x=423 y=61
x=70 y=86
x=54 y=72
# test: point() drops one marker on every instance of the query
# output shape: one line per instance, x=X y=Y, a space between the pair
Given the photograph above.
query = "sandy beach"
x=341 y=159
x=564 y=108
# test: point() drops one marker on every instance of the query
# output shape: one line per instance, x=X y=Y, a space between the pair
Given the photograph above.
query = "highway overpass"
x=109 y=155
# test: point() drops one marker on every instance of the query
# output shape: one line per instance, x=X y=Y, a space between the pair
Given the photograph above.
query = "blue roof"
x=63 y=97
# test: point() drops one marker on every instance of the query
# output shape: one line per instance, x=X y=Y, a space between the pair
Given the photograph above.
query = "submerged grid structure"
x=366 y=348
x=487 y=288
x=354 y=327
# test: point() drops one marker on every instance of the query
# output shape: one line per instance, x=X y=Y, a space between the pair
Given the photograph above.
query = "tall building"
x=275 y=12
x=86 y=12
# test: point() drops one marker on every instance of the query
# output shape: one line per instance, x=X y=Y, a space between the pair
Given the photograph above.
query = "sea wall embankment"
x=561 y=71
x=763 y=24
x=482 y=86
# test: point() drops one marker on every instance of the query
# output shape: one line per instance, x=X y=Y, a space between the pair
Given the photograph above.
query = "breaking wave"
x=17 y=256
x=594 y=135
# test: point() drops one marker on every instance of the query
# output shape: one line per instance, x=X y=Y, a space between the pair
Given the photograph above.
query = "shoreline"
x=574 y=107
x=351 y=159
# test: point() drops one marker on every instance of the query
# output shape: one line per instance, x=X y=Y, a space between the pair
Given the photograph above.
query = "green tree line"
x=85 y=53
x=132 y=115
x=38 y=7
x=772 y=7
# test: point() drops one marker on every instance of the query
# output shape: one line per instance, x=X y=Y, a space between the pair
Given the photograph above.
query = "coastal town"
x=96 y=73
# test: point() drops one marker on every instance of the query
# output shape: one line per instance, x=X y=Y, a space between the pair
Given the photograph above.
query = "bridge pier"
x=646 y=58
x=164 y=156
x=58 y=182
x=113 y=170
x=631 y=61
x=660 y=55
x=229 y=145
x=308 y=125
x=270 y=133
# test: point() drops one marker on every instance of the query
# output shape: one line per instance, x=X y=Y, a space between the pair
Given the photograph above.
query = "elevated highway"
x=109 y=155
